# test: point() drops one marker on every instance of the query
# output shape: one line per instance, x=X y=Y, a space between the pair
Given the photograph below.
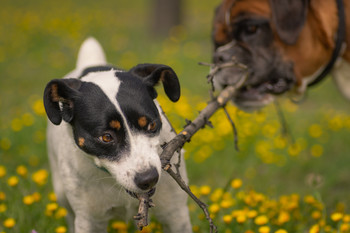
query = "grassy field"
x=273 y=184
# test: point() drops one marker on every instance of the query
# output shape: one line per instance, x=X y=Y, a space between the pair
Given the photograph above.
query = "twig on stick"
x=142 y=216
x=235 y=133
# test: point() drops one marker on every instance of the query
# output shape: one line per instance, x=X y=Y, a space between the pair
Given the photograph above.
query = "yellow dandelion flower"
x=28 y=200
x=252 y=213
x=195 y=228
x=283 y=217
x=2 y=171
x=16 y=125
x=214 y=208
x=61 y=229
x=3 y=208
x=21 y=170
x=227 y=196
x=316 y=214
x=281 y=231
x=5 y=144
x=315 y=131
x=261 y=220
x=38 y=108
x=236 y=183
x=309 y=199
x=204 y=190
x=314 y=229
x=52 y=207
x=40 y=177
x=9 y=223
x=216 y=195
x=202 y=154
x=61 y=212
x=269 y=130
x=227 y=219
x=119 y=225
x=52 y=197
x=2 y=196
x=12 y=181
x=336 y=123
x=280 y=142
x=241 y=218
x=294 y=149
x=226 y=204
x=337 y=216
x=322 y=223
x=36 y=196
x=316 y=150
x=264 y=229
x=236 y=213
x=249 y=231
x=345 y=227
x=346 y=218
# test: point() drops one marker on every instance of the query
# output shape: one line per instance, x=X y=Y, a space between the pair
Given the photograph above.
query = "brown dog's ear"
x=59 y=95
x=289 y=17
x=151 y=74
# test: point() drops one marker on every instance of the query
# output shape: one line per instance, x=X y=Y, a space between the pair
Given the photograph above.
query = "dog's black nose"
x=147 y=179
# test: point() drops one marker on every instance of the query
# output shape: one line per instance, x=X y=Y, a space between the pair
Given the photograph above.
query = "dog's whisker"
x=104 y=178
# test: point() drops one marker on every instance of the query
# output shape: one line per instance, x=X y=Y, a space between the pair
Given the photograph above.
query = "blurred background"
x=309 y=167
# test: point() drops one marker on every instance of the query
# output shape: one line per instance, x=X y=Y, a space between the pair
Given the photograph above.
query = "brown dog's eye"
x=106 y=138
x=251 y=29
x=152 y=126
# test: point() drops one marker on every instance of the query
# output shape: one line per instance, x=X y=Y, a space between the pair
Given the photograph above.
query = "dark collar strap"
x=338 y=44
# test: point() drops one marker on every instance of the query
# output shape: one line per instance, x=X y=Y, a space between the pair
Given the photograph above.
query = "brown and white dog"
x=286 y=45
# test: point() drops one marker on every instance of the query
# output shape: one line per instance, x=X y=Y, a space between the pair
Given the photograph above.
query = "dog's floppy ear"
x=151 y=74
x=289 y=17
x=59 y=95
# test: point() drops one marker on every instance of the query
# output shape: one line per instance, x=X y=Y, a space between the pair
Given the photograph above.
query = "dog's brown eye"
x=106 y=138
x=152 y=126
x=251 y=29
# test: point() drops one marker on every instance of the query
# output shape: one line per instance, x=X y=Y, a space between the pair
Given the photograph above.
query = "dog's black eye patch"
x=97 y=125
x=137 y=105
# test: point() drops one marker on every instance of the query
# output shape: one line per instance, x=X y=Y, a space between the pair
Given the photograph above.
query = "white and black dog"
x=110 y=140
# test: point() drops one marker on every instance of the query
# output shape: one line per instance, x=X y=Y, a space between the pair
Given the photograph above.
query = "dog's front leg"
x=86 y=224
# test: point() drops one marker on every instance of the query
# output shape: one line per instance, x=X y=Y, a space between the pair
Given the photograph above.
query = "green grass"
x=39 y=41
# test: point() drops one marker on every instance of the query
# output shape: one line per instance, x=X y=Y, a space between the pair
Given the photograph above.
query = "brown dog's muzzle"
x=267 y=74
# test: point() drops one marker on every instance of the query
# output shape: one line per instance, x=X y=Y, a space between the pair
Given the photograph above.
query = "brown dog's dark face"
x=244 y=31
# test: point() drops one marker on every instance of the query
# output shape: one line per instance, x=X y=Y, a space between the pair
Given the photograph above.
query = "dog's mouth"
x=274 y=86
x=254 y=96
x=135 y=195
